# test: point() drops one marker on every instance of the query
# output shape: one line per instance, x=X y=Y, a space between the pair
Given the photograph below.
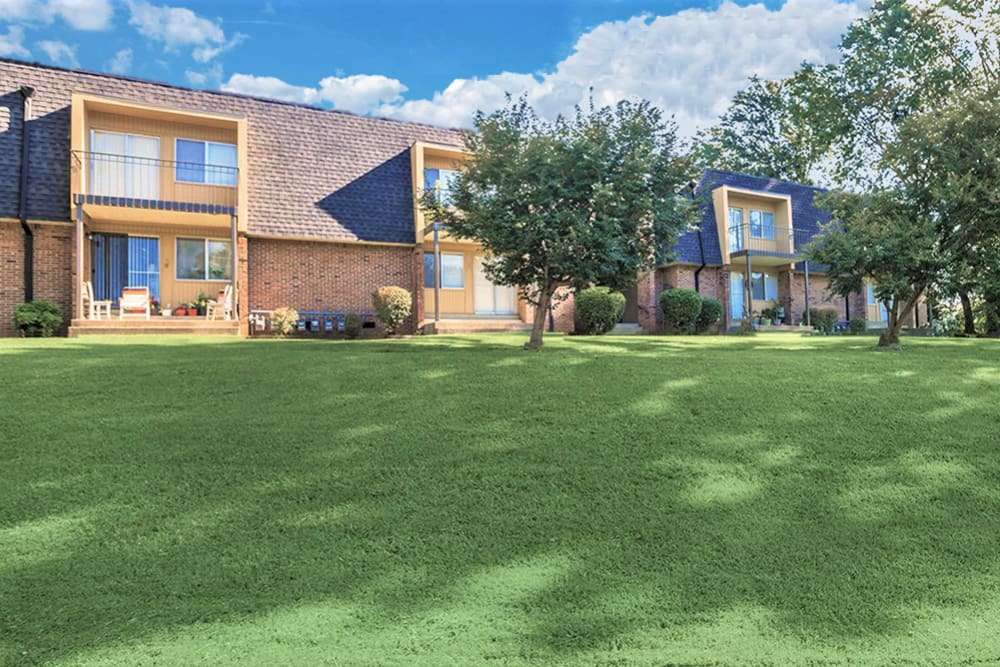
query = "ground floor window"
x=764 y=287
x=204 y=259
x=452 y=271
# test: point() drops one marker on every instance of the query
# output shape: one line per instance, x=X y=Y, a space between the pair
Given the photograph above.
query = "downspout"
x=22 y=196
x=701 y=244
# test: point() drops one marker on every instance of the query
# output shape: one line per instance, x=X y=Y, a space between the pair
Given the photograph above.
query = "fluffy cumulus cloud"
x=78 y=14
x=180 y=28
x=358 y=92
x=690 y=63
x=60 y=53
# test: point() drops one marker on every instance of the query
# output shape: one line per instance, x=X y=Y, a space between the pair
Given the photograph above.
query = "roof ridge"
x=222 y=93
x=764 y=178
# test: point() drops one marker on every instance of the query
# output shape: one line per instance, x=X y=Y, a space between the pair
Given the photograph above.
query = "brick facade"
x=53 y=269
x=326 y=276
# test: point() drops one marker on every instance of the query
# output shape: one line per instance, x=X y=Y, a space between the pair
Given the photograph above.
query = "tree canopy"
x=588 y=199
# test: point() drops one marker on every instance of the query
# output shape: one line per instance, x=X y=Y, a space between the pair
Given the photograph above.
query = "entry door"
x=125 y=165
x=490 y=299
x=118 y=261
x=737 y=296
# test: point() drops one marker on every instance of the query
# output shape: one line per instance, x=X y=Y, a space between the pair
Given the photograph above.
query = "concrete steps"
x=479 y=325
x=155 y=325
x=626 y=329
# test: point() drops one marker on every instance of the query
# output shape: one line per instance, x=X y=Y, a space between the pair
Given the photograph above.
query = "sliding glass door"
x=118 y=261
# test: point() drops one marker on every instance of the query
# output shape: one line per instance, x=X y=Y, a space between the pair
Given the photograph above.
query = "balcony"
x=768 y=244
x=106 y=179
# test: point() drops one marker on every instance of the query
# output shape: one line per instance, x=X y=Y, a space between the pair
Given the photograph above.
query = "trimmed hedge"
x=710 y=315
x=38 y=318
x=823 y=319
x=681 y=308
x=857 y=325
x=599 y=309
x=392 y=307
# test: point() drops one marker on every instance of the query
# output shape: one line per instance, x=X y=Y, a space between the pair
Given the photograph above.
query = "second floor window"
x=762 y=225
x=205 y=162
x=735 y=229
x=441 y=182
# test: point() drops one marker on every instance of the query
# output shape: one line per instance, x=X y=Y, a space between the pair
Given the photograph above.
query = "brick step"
x=156 y=325
x=75 y=332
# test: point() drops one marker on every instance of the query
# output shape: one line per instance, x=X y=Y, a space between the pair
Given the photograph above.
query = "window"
x=735 y=229
x=205 y=162
x=441 y=182
x=204 y=259
x=452 y=271
x=764 y=287
x=124 y=165
x=762 y=224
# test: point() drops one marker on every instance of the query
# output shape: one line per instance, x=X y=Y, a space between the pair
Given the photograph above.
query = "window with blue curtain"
x=429 y=269
x=144 y=264
x=762 y=225
x=190 y=161
x=735 y=229
x=736 y=295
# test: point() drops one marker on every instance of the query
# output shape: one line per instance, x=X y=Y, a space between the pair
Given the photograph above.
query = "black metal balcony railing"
x=768 y=241
x=125 y=180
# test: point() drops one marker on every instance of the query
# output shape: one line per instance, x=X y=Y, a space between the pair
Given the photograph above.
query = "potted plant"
x=779 y=313
x=154 y=306
x=193 y=309
x=768 y=315
x=200 y=304
x=181 y=310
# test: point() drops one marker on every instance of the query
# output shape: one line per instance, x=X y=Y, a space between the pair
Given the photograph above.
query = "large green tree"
x=766 y=131
x=582 y=200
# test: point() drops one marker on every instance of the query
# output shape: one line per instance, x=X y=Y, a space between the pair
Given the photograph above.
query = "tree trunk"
x=541 y=316
x=890 y=338
x=970 y=319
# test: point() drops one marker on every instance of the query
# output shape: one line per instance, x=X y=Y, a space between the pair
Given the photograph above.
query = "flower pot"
x=180 y=311
x=192 y=312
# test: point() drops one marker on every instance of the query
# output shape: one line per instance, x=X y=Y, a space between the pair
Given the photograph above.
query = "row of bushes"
x=393 y=306
x=598 y=310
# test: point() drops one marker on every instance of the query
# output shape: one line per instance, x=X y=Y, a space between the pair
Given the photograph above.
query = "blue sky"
x=439 y=62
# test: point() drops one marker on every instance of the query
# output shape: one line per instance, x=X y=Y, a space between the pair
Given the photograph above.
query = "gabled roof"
x=805 y=215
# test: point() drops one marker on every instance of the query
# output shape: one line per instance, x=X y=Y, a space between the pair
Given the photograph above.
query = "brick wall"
x=53 y=269
x=11 y=274
x=712 y=283
x=324 y=276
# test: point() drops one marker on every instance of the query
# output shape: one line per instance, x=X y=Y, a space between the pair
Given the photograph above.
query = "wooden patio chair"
x=223 y=305
x=94 y=308
x=134 y=301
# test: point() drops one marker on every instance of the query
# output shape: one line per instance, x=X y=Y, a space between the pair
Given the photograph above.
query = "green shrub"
x=284 y=320
x=599 y=309
x=392 y=307
x=710 y=315
x=352 y=325
x=681 y=308
x=857 y=325
x=823 y=319
x=38 y=318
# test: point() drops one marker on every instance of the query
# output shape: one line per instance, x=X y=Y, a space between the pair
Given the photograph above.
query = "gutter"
x=22 y=196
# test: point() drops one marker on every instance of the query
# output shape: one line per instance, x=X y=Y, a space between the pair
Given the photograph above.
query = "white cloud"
x=12 y=44
x=121 y=63
x=359 y=92
x=204 y=54
x=60 y=53
x=690 y=63
x=78 y=14
x=179 y=27
x=212 y=77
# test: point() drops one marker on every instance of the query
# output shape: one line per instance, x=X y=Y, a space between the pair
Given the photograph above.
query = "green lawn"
x=776 y=500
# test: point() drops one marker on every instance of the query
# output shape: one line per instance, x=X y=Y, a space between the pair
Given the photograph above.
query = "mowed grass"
x=776 y=500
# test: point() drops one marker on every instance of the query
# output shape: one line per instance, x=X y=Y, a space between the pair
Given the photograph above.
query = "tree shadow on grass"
x=178 y=485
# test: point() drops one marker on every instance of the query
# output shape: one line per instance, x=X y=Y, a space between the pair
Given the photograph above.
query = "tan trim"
x=317 y=239
x=106 y=103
